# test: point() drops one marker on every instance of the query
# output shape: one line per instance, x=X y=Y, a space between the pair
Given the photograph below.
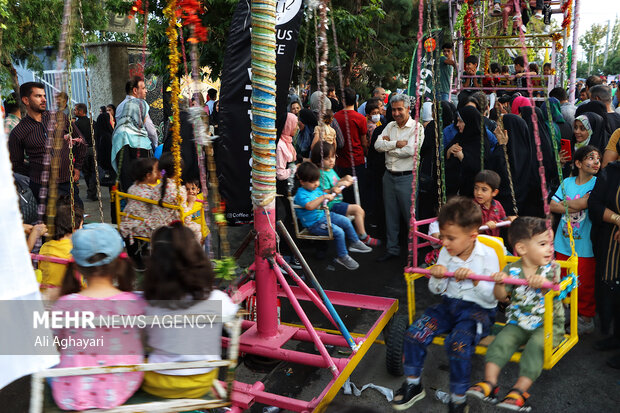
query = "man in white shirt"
x=400 y=139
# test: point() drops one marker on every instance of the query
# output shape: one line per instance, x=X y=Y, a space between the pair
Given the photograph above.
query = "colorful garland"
x=567 y=9
x=468 y=22
x=173 y=66
x=458 y=26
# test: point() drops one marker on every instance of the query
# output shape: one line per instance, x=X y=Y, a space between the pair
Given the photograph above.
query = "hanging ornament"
x=430 y=44
x=189 y=11
x=137 y=7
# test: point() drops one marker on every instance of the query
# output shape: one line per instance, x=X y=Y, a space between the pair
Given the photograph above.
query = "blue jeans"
x=465 y=322
x=443 y=96
x=341 y=228
x=397 y=201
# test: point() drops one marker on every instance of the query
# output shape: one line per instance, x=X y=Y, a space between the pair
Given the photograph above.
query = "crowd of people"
x=493 y=153
x=492 y=173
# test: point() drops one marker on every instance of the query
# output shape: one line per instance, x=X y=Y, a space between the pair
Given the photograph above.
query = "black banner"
x=233 y=148
x=431 y=51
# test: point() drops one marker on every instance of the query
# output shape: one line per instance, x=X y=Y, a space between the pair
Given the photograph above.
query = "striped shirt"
x=30 y=137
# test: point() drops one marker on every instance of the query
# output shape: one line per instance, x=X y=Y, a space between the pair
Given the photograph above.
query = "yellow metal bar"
x=548 y=329
x=117 y=209
x=357 y=357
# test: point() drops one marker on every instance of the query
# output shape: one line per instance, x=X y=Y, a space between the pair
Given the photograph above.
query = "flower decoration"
x=137 y=7
x=189 y=12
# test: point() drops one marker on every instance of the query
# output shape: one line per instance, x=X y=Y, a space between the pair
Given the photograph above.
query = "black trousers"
x=64 y=188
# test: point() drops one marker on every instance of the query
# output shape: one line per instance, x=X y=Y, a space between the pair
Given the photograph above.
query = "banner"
x=431 y=51
x=233 y=148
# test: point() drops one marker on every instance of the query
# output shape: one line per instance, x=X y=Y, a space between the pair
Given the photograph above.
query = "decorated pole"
x=573 y=66
x=263 y=52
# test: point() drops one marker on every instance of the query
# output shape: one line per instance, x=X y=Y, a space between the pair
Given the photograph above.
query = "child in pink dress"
x=166 y=192
x=96 y=250
x=146 y=174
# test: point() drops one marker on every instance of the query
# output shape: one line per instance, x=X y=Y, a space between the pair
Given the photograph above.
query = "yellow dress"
x=52 y=273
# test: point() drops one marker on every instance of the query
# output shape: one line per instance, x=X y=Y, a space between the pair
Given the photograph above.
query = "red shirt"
x=495 y=213
x=357 y=130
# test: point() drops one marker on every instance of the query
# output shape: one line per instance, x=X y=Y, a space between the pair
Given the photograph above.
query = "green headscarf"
x=553 y=105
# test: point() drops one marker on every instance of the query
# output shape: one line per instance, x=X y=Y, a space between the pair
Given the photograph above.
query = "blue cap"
x=95 y=239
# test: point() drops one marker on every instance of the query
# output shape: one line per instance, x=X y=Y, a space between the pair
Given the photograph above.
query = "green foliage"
x=375 y=44
x=593 y=44
x=25 y=30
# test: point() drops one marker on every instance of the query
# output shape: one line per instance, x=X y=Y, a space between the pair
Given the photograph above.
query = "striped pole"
x=263 y=52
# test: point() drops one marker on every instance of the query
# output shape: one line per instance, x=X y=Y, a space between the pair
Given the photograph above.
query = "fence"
x=78 y=85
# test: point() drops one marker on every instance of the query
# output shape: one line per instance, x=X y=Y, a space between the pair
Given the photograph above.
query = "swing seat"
x=304 y=233
x=118 y=196
x=552 y=354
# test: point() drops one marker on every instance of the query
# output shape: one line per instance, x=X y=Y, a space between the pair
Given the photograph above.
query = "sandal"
x=484 y=391
x=516 y=400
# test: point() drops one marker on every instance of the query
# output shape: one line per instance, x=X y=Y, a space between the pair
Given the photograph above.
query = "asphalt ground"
x=580 y=382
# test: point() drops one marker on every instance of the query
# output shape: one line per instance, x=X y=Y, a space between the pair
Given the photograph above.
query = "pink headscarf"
x=519 y=101
x=287 y=132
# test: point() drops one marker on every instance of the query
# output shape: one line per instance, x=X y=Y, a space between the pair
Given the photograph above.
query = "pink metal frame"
x=428 y=239
x=266 y=338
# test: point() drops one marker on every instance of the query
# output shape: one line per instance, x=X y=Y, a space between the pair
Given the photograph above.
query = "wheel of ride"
x=394 y=345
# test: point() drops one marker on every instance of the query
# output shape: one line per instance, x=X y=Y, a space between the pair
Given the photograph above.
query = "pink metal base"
x=244 y=395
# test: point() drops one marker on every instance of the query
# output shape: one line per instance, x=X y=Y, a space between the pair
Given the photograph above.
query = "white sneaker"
x=497 y=10
x=359 y=246
x=348 y=262
x=585 y=327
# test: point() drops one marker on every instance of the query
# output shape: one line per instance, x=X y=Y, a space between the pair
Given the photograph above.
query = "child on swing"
x=533 y=242
x=323 y=155
x=166 y=192
x=97 y=252
x=179 y=281
x=310 y=198
x=52 y=274
x=467 y=310
x=146 y=174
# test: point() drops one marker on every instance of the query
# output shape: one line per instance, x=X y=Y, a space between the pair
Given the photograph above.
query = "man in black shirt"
x=83 y=123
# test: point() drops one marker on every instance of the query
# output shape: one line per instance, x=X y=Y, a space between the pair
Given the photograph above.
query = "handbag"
x=27 y=202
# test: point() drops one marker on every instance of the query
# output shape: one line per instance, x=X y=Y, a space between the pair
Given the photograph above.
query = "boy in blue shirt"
x=311 y=198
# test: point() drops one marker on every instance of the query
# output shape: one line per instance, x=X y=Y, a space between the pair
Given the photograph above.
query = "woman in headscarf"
x=103 y=143
x=521 y=158
x=429 y=198
x=561 y=128
x=546 y=147
x=518 y=103
x=308 y=119
x=286 y=156
x=375 y=163
x=589 y=130
x=463 y=157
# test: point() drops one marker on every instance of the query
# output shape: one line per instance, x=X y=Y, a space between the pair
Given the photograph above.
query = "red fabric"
x=585 y=298
x=358 y=129
x=494 y=213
